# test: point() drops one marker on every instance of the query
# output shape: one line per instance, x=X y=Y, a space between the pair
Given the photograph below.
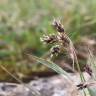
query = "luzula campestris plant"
x=60 y=40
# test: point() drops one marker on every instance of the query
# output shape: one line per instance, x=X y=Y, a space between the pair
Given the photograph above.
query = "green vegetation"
x=23 y=22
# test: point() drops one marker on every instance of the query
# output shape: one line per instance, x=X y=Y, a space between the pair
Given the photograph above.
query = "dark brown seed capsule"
x=58 y=26
x=55 y=50
x=88 y=70
x=64 y=39
x=82 y=86
x=49 y=39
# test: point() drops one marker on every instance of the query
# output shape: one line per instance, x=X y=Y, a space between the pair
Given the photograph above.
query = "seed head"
x=82 y=86
x=49 y=39
x=60 y=39
x=63 y=38
x=88 y=70
x=58 y=26
x=55 y=50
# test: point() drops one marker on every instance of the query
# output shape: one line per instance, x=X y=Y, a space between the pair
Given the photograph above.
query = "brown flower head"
x=88 y=69
x=82 y=86
x=58 y=26
x=49 y=39
x=55 y=50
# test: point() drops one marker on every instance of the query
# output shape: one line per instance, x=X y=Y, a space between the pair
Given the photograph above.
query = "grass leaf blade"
x=51 y=65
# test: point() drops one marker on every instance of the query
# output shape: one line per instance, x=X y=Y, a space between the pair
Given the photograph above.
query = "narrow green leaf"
x=51 y=65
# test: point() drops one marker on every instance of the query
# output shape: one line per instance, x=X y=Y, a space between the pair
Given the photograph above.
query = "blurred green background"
x=23 y=22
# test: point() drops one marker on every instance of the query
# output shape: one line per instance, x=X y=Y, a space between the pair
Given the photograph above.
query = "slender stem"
x=75 y=59
x=34 y=92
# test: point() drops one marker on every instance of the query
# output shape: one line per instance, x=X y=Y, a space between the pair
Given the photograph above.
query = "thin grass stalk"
x=34 y=92
x=75 y=59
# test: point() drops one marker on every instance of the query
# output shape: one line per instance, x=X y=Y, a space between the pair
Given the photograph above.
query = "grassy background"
x=22 y=23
